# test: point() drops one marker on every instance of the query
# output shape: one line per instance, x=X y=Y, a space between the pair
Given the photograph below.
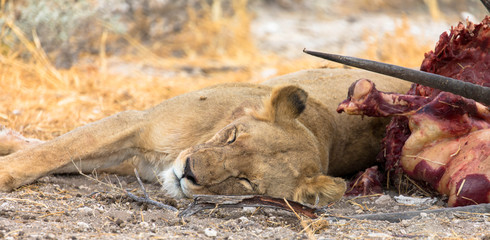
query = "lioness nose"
x=188 y=172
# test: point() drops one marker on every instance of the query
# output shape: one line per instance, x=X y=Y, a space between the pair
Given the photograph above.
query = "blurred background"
x=65 y=63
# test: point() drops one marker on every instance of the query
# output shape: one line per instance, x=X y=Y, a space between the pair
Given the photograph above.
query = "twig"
x=398 y=216
x=51 y=214
x=140 y=183
x=306 y=226
x=202 y=202
x=146 y=198
x=416 y=185
x=24 y=200
x=94 y=178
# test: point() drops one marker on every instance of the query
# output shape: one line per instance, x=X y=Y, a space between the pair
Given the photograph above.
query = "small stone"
x=415 y=200
x=379 y=235
x=86 y=210
x=423 y=215
x=383 y=200
x=243 y=219
x=249 y=209
x=83 y=225
x=210 y=232
x=119 y=222
x=144 y=224
x=50 y=236
x=405 y=223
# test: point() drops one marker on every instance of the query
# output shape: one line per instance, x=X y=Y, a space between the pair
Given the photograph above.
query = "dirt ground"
x=81 y=207
x=96 y=207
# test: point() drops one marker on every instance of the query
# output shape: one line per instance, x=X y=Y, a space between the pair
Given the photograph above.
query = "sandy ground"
x=79 y=207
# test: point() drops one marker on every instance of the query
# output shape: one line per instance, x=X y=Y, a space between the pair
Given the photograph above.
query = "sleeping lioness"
x=282 y=138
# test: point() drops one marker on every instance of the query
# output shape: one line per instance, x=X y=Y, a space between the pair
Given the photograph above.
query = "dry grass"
x=399 y=47
x=41 y=101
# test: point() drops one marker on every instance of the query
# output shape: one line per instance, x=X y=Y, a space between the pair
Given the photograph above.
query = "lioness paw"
x=6 y=182
x=13 y=174
x=320 y=190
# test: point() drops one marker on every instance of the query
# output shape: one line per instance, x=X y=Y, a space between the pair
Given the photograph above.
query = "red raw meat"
x=366 y=182
x=438 y=137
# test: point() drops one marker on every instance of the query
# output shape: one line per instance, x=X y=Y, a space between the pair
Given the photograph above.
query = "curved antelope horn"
x=486 y=3
x=447 y=84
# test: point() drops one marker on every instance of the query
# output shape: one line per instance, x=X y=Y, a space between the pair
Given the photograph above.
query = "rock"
x=86 y=210
x=50 y=236
x=415 y=200
x=144 y=224
x=4 y=205
x=119 y=222
x=383 y=200
x=249 y=209
x=243 y=219
x=83 y=226
x=405 y=223
x=210 y=232
x=379 y=235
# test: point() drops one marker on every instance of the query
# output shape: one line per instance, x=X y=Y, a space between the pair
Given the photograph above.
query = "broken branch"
x=398 y=216
x=202 y=202
x=146 y=198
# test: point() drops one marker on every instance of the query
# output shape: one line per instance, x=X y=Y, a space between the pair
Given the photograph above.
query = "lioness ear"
x=285 y=103
x=320 y=190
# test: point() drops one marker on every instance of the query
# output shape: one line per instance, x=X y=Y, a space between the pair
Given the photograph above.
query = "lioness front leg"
x=103 y=143
x=12 y=141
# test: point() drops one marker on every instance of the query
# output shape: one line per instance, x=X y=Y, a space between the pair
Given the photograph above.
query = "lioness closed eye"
x=281 y=138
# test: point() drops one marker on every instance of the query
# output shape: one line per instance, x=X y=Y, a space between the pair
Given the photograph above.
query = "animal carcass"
x=438 y=137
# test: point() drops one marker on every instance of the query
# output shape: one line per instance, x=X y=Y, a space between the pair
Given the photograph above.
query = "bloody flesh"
x=438 y=137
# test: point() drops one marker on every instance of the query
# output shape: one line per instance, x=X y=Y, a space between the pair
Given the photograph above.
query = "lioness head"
x=266 y=152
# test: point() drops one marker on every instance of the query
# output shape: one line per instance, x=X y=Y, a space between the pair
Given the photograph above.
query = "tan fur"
x=11 y=141
x=279 y=99
x=280 y=138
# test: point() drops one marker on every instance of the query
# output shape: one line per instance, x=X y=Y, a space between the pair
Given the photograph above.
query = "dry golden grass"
x=43 y=102
x=399 y=47
x=358 y=6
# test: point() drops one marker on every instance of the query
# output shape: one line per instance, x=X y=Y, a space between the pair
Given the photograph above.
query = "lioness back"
x=330 y=86
x=358 y=138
